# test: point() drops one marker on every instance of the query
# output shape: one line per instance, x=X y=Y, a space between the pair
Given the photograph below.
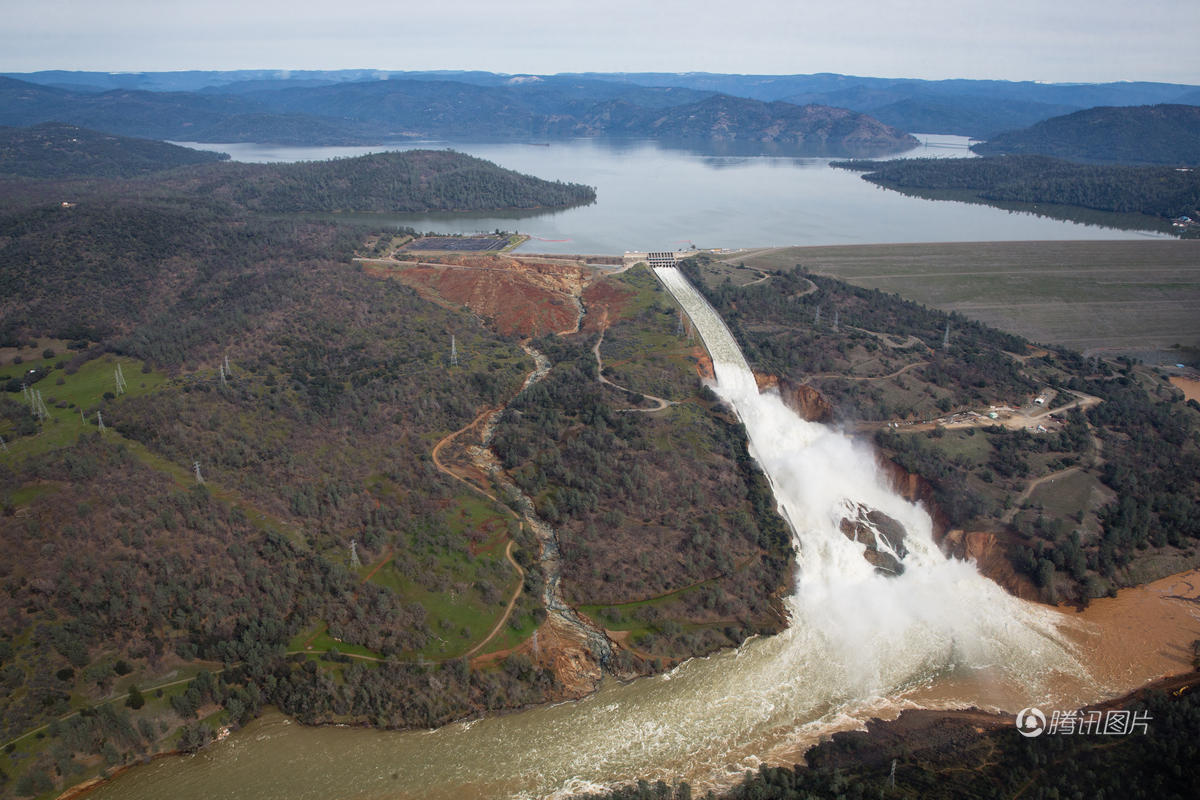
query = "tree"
x=135 y=699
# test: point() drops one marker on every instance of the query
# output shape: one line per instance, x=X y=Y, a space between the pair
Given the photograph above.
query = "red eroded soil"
x=1189 y=386
x=527 y=299
x=605 y=301
x=704 y=365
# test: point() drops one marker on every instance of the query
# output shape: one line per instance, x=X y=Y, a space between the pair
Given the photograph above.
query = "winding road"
x=661 y=403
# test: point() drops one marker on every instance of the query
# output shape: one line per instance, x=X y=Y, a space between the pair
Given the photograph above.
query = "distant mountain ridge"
x=726 y=118
x=1158 y=134
x=375 y=111
x=976 y=108
x=533 y=105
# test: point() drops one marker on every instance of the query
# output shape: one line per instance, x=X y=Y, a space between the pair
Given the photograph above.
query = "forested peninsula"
x=410 y=181
x=1162 y=192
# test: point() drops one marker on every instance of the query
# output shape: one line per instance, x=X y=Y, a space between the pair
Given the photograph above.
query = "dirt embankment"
x=1189 y=386
x=986 y=548
x=948 y=735
x=805 y=400
x=518 y=297
x=606 y=301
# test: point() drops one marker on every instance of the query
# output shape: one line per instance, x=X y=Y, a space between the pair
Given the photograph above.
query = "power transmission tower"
x=196 y=467
x=3 y=446
x=354 y=562
x=228 y=371
x=100 y=421
x=39 y=405
x=946 y=338
x=835 y=321
x=892 y=777
x=119 y=377
x=221 y=370
x=817 y=318
x=453 y=351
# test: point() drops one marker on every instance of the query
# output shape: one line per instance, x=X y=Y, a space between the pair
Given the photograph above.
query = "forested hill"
x=1157 y=191
x=58 y=150
x=409 y=181
x=1159 y=134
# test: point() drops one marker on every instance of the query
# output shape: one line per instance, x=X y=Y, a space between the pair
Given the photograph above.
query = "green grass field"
x=649 y=356
x=317 y=640
x=1072 y=494
x=66 y=396
x=1125 y=295
x=459 y=615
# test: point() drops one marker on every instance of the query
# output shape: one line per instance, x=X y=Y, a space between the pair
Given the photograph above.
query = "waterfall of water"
x=939 y=614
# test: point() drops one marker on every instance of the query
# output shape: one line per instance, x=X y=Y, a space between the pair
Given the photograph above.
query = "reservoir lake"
x=652 y=196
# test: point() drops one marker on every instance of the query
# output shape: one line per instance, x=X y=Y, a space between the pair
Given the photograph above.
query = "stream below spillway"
x=862 y=642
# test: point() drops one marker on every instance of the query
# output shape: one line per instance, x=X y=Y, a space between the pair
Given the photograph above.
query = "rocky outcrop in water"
x=883 y=537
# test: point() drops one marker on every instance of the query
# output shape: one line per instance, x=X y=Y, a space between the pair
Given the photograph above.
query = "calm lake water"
x=653 y=196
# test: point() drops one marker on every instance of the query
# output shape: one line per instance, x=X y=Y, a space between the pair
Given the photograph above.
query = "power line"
x=39 y=405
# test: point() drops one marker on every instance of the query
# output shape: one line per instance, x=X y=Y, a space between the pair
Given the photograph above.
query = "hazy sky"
x=1053 y=40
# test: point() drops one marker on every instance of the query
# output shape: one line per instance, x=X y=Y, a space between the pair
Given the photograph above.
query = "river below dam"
x=861 y=644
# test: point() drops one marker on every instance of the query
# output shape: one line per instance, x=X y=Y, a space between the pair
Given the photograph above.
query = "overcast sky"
x=1051 y=40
